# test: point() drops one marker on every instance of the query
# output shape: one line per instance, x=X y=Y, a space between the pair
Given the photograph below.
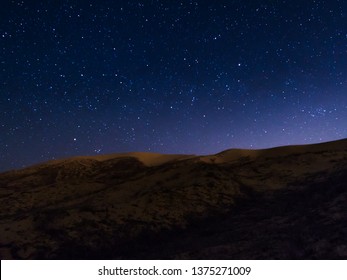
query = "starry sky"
x=196 y=77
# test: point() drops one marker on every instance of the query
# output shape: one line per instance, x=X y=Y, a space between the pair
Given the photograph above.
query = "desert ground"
x=280 y=203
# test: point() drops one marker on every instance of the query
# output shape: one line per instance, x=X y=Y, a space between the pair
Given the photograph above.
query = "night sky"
x=196 y=77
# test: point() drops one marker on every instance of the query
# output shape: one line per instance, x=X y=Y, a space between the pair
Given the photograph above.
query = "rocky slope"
x=286 y=202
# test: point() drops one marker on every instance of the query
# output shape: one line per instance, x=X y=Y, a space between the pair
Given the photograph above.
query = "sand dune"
x=128 y=205
x=148 y=159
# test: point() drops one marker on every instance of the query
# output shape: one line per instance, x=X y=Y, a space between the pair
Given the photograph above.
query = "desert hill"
x=279 y=203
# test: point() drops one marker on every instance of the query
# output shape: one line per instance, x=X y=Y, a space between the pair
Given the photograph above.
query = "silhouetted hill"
x=280 y=203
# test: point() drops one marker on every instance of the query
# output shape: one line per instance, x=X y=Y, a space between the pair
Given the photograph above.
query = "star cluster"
x=91 y=77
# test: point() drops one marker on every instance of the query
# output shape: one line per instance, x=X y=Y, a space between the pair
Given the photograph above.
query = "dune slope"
x=285 y=202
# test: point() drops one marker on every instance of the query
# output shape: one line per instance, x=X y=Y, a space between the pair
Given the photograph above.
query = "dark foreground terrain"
x=281 y=203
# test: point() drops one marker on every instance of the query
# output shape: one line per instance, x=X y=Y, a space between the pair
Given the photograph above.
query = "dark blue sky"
x=89 y=77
